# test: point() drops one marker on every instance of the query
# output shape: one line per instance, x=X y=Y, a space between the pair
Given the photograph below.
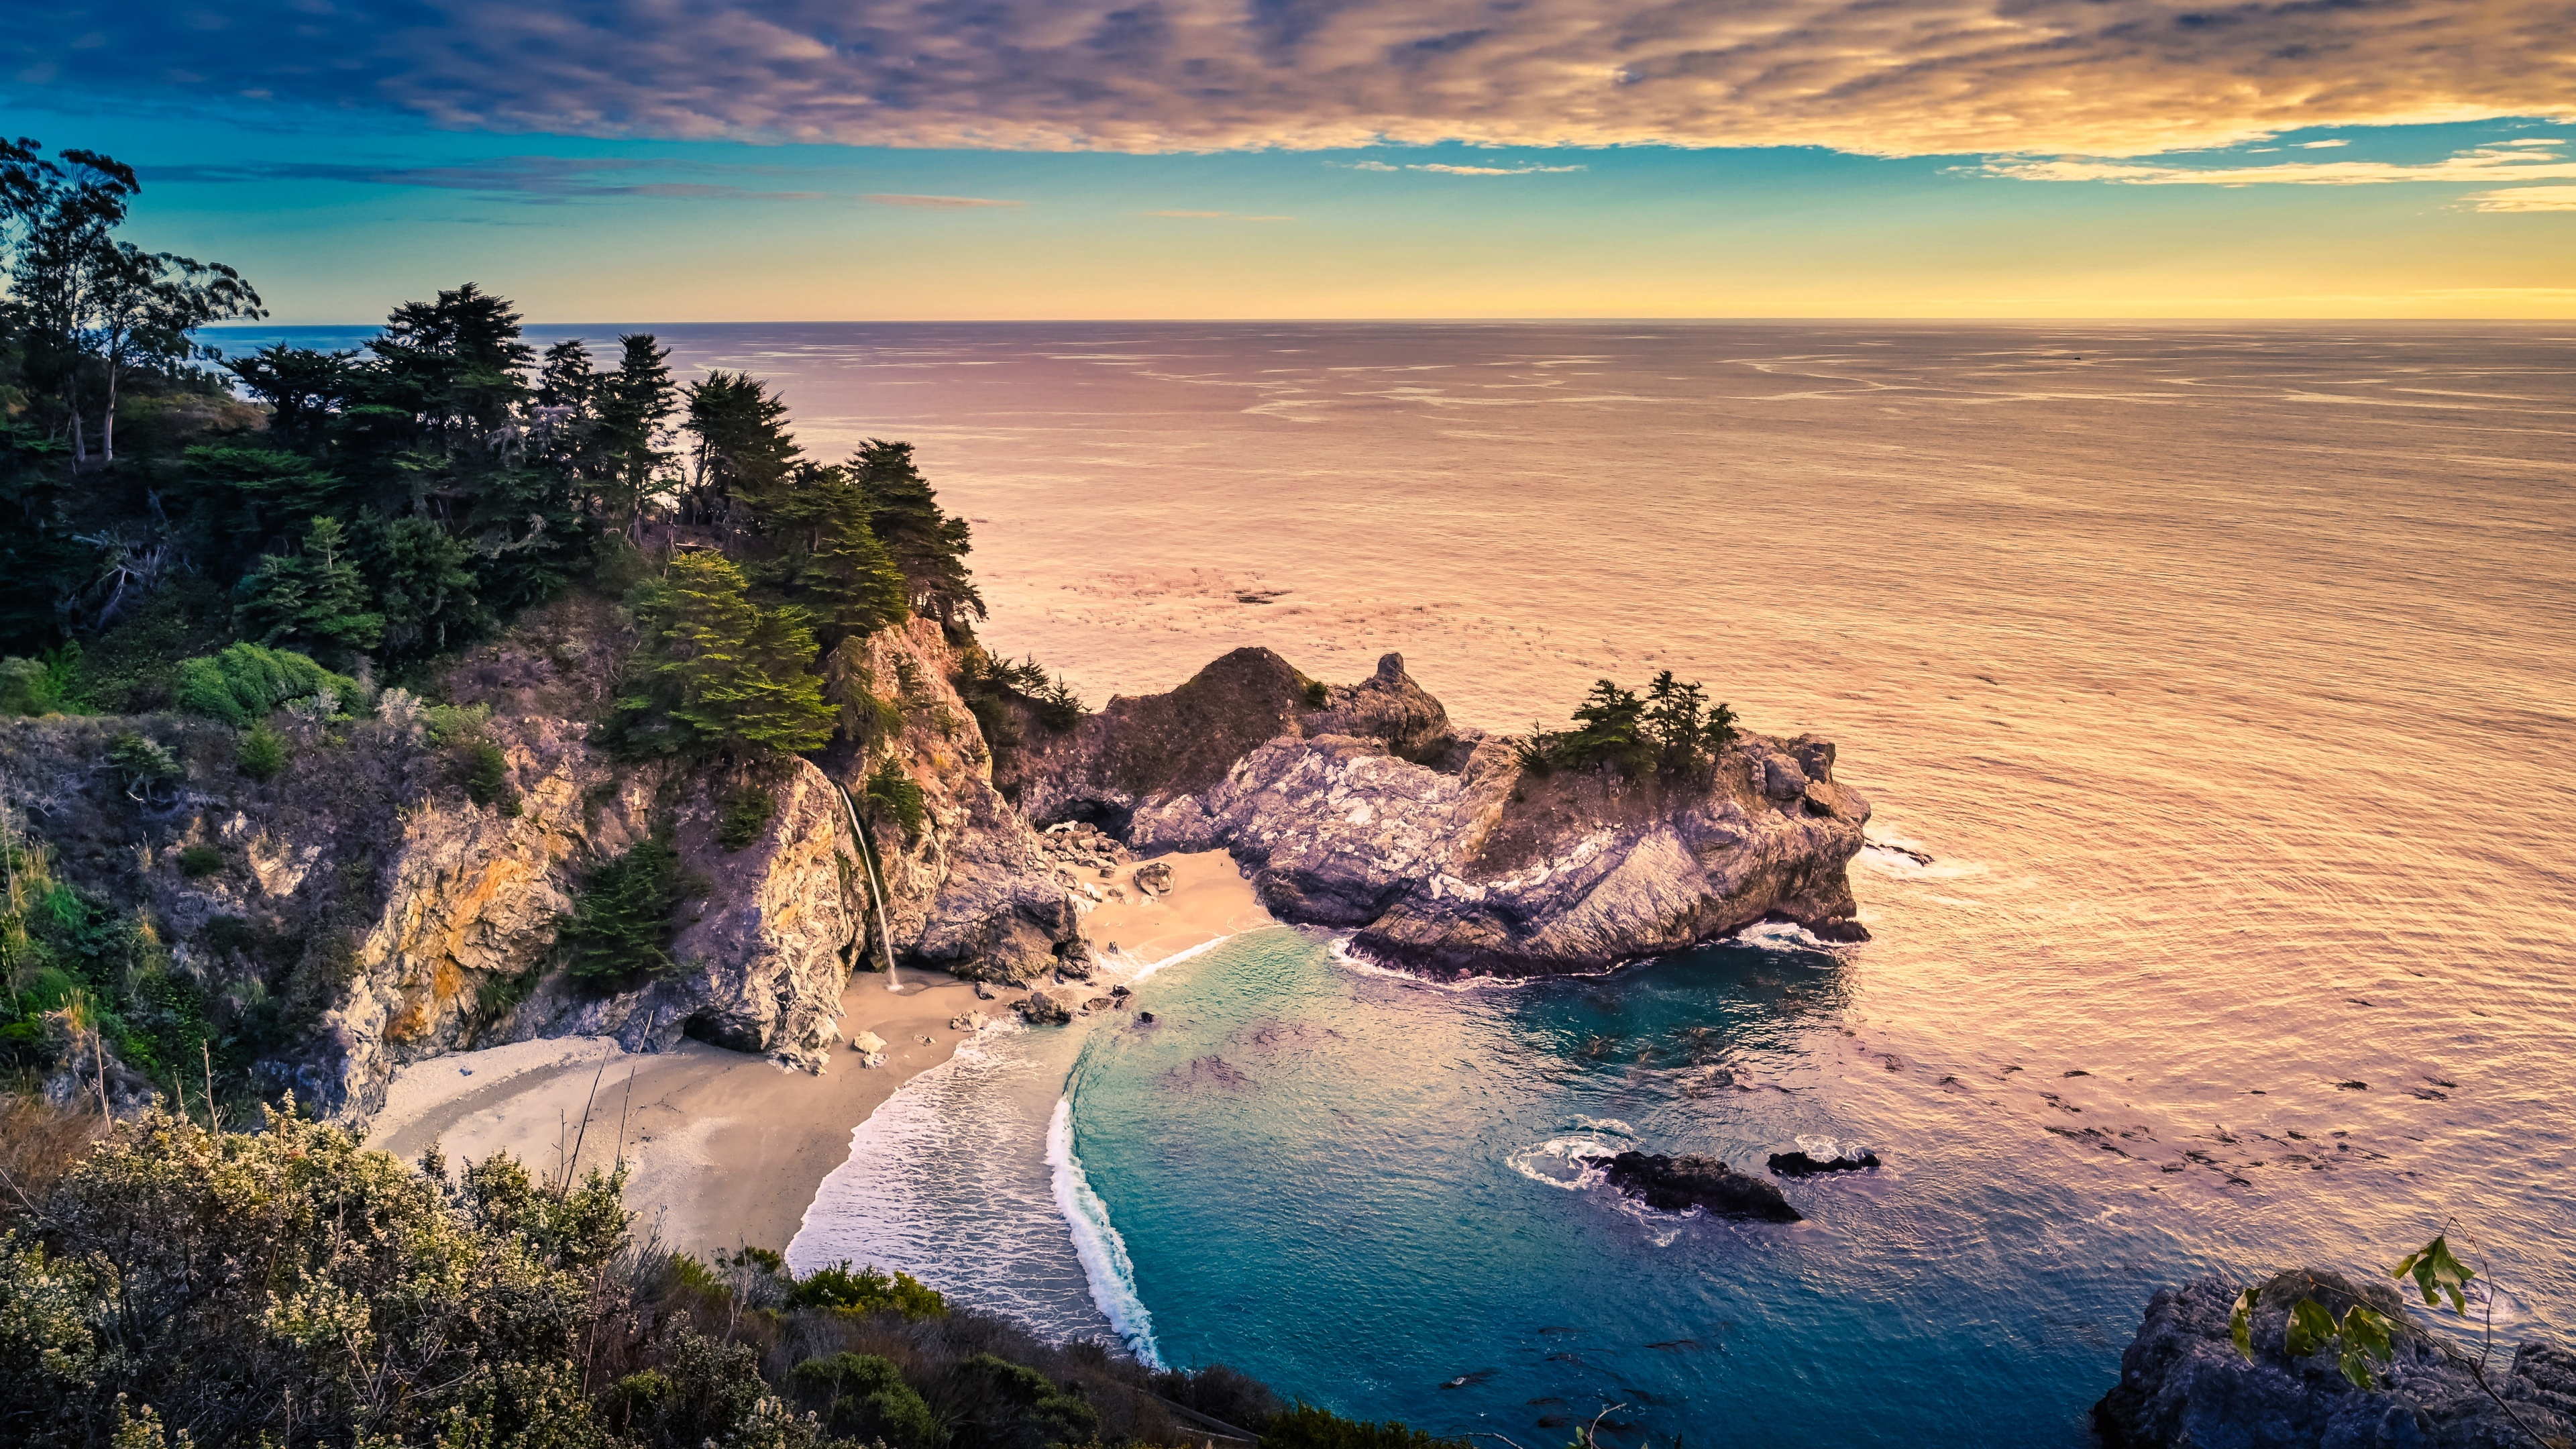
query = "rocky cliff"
x=2182 y=1381
x=1363 y=806
x=360 y=910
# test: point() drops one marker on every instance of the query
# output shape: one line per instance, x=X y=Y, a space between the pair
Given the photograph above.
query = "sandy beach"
x=726 y=1149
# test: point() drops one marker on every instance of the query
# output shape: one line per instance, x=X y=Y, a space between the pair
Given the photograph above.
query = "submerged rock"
x=1801 y=1164
x=1372 y=810
x=1677 y=1184
x=2182 y=1381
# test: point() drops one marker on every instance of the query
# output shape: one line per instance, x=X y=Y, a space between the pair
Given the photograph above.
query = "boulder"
x=1154 y=878
x=867 y=1043
x=972 y=1021
x=2183 y=1382
x=1678 y=1184
x=1040 y=1009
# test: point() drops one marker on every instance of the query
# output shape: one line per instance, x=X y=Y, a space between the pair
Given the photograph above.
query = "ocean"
x=2224 y=672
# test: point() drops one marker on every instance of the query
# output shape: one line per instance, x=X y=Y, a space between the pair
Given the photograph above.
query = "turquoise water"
x=1361 y=1188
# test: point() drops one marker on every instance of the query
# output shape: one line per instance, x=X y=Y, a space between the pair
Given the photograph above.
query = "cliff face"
x=362 y=903
x=1370 y=810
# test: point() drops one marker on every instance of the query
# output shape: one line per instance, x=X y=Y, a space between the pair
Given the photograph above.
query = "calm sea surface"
x=2227 y=675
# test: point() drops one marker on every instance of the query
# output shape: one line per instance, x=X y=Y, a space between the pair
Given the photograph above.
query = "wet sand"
x=726 y=1149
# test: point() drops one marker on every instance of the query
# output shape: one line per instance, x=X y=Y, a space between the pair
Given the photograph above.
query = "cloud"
x=1219 y=216
x=899 y=199
x=2319 y=145
x=1489 y=170
x=2486 y=163
x=2087 y=77
x=2526 y=198
x=521 y=178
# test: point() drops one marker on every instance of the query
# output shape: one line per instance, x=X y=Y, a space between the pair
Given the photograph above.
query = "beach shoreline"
x=725 y=1149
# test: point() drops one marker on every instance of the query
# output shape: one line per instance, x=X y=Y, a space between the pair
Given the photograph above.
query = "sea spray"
x=1096 y=1242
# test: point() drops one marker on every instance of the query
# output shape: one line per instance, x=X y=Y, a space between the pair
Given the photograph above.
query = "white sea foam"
x=1558 y=1162
x=1096 y=1242
x=1782 y=936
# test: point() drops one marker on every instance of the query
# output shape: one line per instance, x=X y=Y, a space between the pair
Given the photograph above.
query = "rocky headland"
x=1362 y=806
x=2183 y=1382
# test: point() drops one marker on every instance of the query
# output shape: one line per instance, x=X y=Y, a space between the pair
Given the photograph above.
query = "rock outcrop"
x=1678 y=1184
x=1363 y=806
x=2182 y=1381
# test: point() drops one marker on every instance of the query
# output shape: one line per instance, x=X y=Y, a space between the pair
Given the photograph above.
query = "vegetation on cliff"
x=174 y=1283
x=1673 y=728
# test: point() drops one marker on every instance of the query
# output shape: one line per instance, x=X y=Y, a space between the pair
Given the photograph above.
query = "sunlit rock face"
x=1361 y=806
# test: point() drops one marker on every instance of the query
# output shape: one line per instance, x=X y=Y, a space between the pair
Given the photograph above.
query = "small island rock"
x=1677 y=1184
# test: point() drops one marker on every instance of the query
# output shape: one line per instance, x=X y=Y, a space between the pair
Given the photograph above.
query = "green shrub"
x=242 y=684
x=262 y=753
x=196 y=862
x=1316 y=694
x=487 y=777
x=867 y=1290
x=620 y=924
x=892 y=791
x=142 y=763
x=1030 y=1400
x=451 y=724
x=32 y=686
x=864 y=1397
x=747 y=813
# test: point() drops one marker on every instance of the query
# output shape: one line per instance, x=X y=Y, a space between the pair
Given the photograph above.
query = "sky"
x=717 y=160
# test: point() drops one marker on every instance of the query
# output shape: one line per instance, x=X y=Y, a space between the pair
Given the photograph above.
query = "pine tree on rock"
x=927 y=545
x=728 y=673
x=633 y=404
x=744 y=452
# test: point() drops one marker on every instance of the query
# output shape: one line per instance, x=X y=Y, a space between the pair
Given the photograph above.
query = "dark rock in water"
x=1838 y=928
x=2182 y=1382
x=1677 y=1184
x=1146 y=1017
x=1799 y=1164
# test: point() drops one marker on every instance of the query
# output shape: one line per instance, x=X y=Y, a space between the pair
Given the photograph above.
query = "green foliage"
x=868 y=1290
x=199 y=861
x=927 y=545
x=143 y=764
x=36 y=686
x=892 y=794
x=991 y=685
x=1317 y=694
x=313 y=596
x=620 y=925
x=487 y=777
x=719 y=671
x=2437 y=1273
x=262 y=752
x=245 y=682
x=747 y=812
x=2361 y=1337
x=1024 y=1399
x=864 y=1397
x=454 y=724
x=1672 y=728
x=1306 y=1427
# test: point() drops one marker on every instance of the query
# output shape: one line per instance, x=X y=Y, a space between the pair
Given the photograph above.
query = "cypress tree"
x=727 y=671
x=929 y=546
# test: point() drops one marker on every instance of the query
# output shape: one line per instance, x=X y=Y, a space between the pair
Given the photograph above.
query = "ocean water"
x=2226 y=673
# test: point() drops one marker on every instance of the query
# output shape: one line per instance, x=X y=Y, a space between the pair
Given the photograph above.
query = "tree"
x=305 y=389
x=634 y=403
x=312 y=596
x=726 y=672
x=620 y=924
x=929 y=546
x=830 y=558
x=82 y=297
x=744 y=451
x=455 y=363
x=423 y=585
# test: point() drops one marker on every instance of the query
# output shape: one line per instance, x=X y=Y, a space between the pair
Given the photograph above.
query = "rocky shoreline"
x=2183 y=1381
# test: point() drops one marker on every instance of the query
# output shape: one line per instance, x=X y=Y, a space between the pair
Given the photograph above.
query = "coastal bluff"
x=1363 y=806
